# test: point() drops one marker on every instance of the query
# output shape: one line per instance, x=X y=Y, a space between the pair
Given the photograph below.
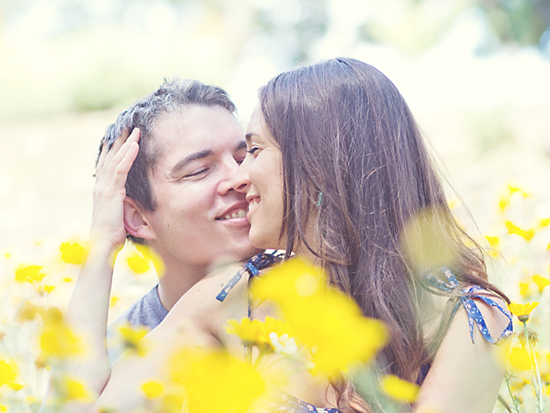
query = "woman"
x=335 y=171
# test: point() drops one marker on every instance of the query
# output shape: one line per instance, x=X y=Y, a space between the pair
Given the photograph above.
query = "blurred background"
x=476 y=74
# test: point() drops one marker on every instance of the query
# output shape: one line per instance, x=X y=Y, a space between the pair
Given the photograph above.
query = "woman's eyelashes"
x=253 y=150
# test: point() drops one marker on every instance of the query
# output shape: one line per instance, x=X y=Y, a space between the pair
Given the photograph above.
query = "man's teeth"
x=252 y=204
x=241 y=213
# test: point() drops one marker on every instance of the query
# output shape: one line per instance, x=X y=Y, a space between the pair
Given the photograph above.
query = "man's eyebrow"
x=248 y=136
x=188 y=159
x=240 y=145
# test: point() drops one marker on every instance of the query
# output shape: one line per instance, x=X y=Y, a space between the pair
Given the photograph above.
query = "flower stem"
x=537 y=384
x=514 y=401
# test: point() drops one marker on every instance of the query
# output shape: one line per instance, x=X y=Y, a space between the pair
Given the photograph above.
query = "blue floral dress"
x=285 y=402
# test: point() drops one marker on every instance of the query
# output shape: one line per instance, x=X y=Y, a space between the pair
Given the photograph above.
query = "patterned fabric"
x=285 y=402
x=466 y=299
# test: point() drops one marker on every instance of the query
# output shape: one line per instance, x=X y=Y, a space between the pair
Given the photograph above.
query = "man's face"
x=199 y=217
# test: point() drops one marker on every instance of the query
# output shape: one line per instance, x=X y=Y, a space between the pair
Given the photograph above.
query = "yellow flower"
x=256 y=332
x=427 y=240
x=152 y=389
x=493 y=241
x=142 y=257
x=29 y=273
x=3 y=408
x=29 y=312
x=72 y=252
x=71 y=389
x=544 y=222
x=132 y=338
x=57 y=339
x=519 y=358
x=325 y=320
x=513 y=229
x=541 y=282
x=15 y=386
x=138 y=263
x=235 y=384
x=522 y=311
x=523 y=288
x=8 y=372
x=114 y=300
x=516 y=188
x=503 y=202
x=398 y=389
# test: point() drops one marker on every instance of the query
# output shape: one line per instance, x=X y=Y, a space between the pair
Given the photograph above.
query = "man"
x=179 y=200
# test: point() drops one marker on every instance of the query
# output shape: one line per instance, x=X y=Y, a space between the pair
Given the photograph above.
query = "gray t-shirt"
x=147 y=311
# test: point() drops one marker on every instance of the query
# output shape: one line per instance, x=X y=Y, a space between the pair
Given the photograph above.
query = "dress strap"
x=253 y=266
x=467 y=296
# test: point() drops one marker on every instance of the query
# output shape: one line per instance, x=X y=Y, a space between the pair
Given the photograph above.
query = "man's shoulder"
x=148 y=311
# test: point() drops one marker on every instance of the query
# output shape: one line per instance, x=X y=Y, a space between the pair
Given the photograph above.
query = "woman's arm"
x=466 y=376
x=197 y=319
x=88 y=308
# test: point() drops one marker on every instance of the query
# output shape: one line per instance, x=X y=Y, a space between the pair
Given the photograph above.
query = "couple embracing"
x=331 y=169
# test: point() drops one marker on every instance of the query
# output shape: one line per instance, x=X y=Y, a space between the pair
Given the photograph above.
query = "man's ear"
x=135 y=222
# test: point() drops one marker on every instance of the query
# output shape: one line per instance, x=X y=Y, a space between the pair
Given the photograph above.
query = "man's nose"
x=241 y=181
x=233 y=178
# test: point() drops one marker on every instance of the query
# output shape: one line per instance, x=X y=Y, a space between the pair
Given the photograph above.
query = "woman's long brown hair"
x=345 y=131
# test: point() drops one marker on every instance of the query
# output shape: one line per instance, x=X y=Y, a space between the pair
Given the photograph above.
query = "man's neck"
x=176 y=282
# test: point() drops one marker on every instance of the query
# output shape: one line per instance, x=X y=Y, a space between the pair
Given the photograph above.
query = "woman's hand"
x=109 y=191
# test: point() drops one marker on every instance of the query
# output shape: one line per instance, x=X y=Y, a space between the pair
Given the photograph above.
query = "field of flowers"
x=38 y=275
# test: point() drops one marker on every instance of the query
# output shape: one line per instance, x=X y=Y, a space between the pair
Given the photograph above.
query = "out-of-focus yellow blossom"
x=532 y=334
x=142 y=257
x=541 y=282
x=523 y=288
x=256 y=332
x=8 y=372
x=514 y=229
x=138 y=263
x=71 y=389
x=325 y=320
x=15 y=386
x=544 y=222
x=152 y=389
x=57 y=339
x=519 y=384
x=398 y=389
x=29 y=273
x=67 y=279
x=519 y=358
x=522 y=311
x=114 y=300
x=72 y=252
x=132 y=338
x=453 y=202
x=29 y=312
x=427 y=240
x=517 y=189
x=3 y=408
x=235 y=384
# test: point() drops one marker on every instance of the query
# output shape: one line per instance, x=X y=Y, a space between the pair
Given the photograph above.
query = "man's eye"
x=199 y=172
x=253 y=150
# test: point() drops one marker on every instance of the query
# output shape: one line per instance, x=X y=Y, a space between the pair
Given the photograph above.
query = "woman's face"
x=260 y=176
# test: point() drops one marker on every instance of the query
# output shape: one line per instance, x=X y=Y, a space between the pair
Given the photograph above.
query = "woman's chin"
x=260 y=240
